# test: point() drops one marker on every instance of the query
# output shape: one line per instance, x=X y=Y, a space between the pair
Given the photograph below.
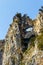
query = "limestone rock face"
x=2 y=42
x=38 y=24
x=23 y=44
x=12 y=45
x=36 y=59
x=33 y=55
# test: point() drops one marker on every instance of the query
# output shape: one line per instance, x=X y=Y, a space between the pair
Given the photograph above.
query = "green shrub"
x=40 y=42
x=32 y=41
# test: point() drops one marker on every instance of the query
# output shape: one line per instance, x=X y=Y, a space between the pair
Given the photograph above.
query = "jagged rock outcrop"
x=38 y=22
x=34 y=54
x=24 y=41
x=2 y=42
x=12 y=48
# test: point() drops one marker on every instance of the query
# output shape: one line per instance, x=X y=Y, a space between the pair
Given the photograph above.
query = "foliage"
x=19 y=15
x=32 y=41
x=40 y=42
x=22 y=63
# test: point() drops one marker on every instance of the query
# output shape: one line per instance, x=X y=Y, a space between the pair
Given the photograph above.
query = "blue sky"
x=8 y=8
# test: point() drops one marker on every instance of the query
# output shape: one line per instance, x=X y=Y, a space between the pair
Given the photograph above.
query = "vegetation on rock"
x=40 y=41
x=24 y=47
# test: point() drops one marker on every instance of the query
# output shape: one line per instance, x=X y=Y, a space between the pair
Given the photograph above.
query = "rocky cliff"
x=2 y=42
x=23 y=44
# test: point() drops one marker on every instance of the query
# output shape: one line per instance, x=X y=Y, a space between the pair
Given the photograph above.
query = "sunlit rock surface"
x=23 y=43
x=2 y=42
